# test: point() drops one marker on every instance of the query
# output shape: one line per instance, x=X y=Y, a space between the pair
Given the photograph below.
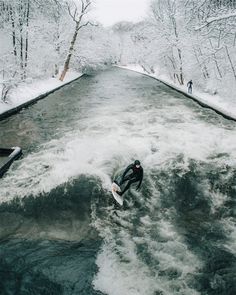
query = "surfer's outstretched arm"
x=126 y=171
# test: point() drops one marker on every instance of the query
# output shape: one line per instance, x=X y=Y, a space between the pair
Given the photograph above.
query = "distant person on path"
x=136 y=175
x=190 y=86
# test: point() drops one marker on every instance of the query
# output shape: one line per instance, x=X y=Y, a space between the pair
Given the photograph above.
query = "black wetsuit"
x=134 y=176
x=190 y=86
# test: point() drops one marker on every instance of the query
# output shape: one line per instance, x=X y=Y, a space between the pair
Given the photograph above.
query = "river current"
x=60 y=229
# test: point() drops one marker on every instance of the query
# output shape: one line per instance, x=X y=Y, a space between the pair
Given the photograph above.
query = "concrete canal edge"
x=198 y=100
x=11 y=155
x=26 y=104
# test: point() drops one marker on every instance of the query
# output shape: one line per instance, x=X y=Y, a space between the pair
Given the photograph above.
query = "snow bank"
x=30 y=91
x=225 y=107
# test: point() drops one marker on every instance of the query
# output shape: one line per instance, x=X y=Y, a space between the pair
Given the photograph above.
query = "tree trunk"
x=217 y=66
x=181 y=74
x=21 y=40
x=230 y=61
x=13 y=31
x=27 y=38
x=67 y=62
x=56 y=69
x=215 y=60
x=202 y=66
x=172 y=60
x=21 y=56
x=181 y=67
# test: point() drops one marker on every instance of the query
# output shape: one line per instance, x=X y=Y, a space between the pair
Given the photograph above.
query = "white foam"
x=123 y=271
x=111 y=136
x=123 y=268
x=229 y=225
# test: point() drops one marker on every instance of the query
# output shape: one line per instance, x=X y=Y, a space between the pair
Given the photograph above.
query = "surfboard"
x=114 y=188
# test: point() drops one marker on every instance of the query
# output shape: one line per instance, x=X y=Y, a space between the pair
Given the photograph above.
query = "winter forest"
x=181 y=39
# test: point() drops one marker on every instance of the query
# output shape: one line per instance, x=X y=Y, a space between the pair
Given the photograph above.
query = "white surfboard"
x=114 y=188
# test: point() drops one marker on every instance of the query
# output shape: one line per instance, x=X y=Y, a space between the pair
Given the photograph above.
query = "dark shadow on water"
x=47 y=267
x=48 y=245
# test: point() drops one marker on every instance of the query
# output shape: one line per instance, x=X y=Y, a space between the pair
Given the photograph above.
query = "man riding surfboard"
x=136 y=175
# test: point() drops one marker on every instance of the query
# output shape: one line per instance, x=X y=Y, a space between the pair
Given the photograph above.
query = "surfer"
x=190 y=86
x=135 y=176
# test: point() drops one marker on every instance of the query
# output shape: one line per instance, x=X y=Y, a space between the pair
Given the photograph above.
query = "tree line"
x=40 y=39
x=186 y=39
x=179 y=39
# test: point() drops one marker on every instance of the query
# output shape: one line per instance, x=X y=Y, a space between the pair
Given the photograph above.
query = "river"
x=60 y=229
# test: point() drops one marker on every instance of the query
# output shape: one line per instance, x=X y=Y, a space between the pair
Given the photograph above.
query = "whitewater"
x=61 y=231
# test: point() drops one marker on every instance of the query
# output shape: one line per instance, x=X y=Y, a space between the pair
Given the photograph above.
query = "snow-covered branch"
x=210 y=20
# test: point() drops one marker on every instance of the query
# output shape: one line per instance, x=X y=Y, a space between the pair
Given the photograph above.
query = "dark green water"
x=60 y=230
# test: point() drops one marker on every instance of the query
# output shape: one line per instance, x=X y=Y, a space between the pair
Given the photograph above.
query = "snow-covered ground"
x=27 y=92
x=223 y=105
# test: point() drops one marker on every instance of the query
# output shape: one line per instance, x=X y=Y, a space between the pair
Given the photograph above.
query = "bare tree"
x=77 y=14
x=215 y=23
x=17 y=14
x=165 y=16
x=231 y=62
x=8 y=76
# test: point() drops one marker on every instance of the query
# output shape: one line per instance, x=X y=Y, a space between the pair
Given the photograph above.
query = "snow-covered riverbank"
x=224 y=106
x=27 y=93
